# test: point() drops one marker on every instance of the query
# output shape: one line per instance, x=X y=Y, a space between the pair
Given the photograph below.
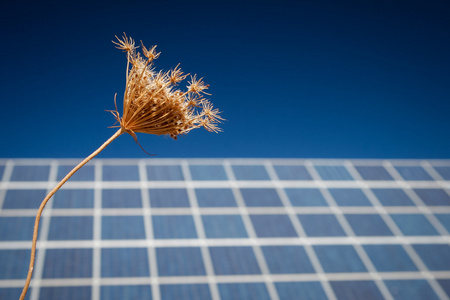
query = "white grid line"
x=227 y=210
x=97 y=231
x=119 y=243
x=354 y=276
x=27 y=185
x=219 y=161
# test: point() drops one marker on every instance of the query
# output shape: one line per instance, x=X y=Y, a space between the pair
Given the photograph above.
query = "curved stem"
x=44 y=202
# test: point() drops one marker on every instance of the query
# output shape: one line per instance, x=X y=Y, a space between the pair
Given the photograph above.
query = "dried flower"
x=152 y=103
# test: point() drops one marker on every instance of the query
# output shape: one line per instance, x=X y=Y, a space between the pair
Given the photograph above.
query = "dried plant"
x=151 y=104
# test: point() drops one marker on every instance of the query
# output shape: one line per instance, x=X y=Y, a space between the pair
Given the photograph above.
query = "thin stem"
x=44 y=202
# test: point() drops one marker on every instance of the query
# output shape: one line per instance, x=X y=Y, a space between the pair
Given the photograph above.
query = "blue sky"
x=330 y=79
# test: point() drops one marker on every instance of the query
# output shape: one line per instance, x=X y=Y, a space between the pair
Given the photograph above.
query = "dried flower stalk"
x=151 y=104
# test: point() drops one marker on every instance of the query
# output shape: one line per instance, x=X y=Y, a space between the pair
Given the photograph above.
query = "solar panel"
x=228 y=229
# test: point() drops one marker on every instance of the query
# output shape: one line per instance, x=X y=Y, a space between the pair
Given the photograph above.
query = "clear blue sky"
x=344 y=79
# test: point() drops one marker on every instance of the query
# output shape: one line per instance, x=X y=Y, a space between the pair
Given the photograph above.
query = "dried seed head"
x=176 y=75
x=126 y=44
x=151 y=102
x=197 y=85
x=151 y=54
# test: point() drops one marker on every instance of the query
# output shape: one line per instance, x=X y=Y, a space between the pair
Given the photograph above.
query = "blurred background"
x=346 y=79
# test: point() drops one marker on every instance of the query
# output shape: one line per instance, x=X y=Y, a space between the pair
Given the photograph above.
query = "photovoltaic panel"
x=215 y=229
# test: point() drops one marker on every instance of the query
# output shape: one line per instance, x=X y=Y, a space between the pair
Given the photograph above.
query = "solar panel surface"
x=228 y=229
